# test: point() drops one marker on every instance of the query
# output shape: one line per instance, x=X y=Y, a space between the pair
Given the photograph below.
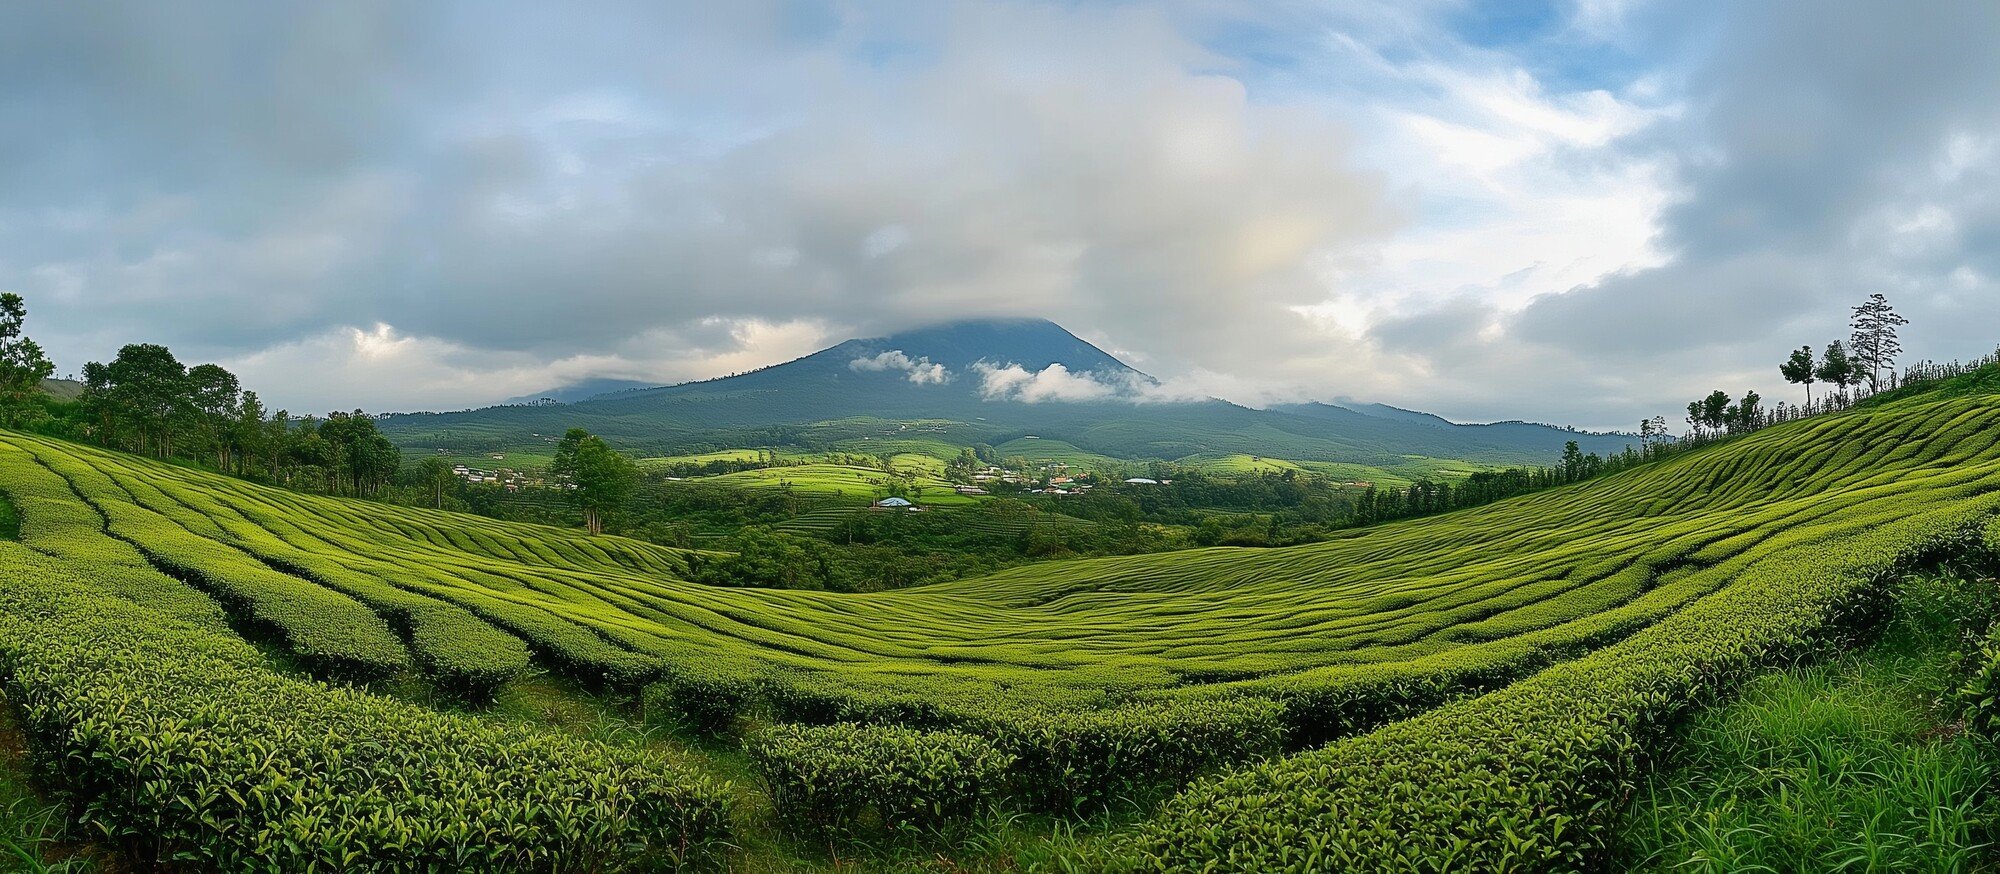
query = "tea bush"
x=849 y=781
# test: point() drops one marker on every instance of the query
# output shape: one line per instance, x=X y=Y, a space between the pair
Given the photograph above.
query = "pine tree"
x=1874 y=341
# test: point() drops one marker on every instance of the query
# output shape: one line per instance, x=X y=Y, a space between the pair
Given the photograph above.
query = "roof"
x=1140 y=480
x=893 y=502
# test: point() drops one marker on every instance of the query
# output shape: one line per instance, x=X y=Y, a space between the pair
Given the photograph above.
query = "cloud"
x=383 y=368
x=1057 y=383
x=1578 y=215
x=921 y=371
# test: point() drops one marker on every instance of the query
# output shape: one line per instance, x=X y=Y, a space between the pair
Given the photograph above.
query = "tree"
x=1800 y=370
x=1653 y=431
x=1744 y=416
x=1874 y=340
x=356 y=454
x=435 y=474
x=248 y=438
x=1835 y=367
x=1572 y=461
x=1711 y=413
x=22 y=364
x=595 y=477
x=213 y=395
x=144 y=388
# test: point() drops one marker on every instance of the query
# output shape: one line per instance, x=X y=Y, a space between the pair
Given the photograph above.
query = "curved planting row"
x=1529 y=777
x=180 y=749
x=330 y=632
x=56 y=523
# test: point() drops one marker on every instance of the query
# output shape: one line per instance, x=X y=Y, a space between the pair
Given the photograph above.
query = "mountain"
x=581 y=391
x=985 y=380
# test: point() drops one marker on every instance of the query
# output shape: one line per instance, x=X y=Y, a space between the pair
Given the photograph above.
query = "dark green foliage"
x=597 y=479
x=846 y=781
x=23 y=367
x=705 y=695
x=1070 y=761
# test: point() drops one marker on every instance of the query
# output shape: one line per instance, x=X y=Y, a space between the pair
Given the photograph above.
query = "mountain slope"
x=985 y=381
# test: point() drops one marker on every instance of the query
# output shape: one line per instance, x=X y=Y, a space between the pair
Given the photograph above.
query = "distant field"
x=837 y=481
x=1043 y=449
x=1240 y=464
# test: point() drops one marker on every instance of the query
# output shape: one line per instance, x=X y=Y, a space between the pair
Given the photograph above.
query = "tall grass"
x=1855 y=765
x=30 y=828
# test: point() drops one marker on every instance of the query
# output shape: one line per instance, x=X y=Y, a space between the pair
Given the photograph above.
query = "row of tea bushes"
x=1062 y=759
x=1529 y=777
x=330 y=633
x=847 y=782
x=54 y=521
x=174 y=746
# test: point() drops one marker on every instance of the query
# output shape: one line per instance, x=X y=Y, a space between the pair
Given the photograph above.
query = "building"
x=894 y=503
x=1141 y=481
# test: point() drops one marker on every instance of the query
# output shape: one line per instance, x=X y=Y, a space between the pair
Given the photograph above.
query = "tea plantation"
x=202 y=667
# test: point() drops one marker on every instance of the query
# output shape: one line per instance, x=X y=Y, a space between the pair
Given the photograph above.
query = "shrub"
x=848 y=781
x=707 y=695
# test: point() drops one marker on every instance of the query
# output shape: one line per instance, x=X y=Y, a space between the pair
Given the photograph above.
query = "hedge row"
x=169 y=743
x=1529 y=777
x=848 y=781
x=54 y=521
x=467 y=656
x=1061 y=760
x=331 y=634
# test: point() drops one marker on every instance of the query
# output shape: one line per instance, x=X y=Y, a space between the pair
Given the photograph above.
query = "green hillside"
x=1522 y=656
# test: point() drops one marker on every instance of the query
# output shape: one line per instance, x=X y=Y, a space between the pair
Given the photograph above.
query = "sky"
x=1583 y=212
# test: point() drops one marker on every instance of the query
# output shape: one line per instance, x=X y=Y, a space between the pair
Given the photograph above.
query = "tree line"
x=1865 y=362
x=146 y=401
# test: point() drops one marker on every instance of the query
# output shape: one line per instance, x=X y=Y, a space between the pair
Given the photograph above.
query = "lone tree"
x=1874 y=340
x=22 y=364
x=1835 y=367
x=596 y=478
x=1801 y=369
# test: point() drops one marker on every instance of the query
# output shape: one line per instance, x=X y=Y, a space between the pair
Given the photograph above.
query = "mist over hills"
x=983 y=380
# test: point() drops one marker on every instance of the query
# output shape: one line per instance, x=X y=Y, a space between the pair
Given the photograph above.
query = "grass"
x=30 y=828
x=1857 y=764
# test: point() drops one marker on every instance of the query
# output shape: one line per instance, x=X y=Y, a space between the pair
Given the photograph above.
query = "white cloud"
x=921 y=371
x=382 y=368
x=1057 y=383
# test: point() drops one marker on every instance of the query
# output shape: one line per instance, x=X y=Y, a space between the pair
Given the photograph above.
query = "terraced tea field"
x=1524 y=651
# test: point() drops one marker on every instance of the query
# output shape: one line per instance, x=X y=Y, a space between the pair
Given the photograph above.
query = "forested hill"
x=987 y=380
